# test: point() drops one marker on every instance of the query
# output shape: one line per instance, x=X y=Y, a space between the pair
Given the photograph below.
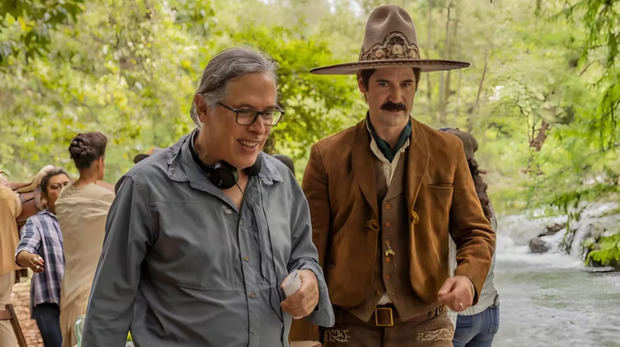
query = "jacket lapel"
x=417 y=163
x=363 y=166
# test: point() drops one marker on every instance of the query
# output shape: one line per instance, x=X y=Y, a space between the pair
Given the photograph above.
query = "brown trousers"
x=350 y=331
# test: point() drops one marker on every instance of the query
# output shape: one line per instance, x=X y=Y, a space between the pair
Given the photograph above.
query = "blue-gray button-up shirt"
x=181 y=266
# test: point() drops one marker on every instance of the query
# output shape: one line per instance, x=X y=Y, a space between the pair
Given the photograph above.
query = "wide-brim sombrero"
x=390 y=41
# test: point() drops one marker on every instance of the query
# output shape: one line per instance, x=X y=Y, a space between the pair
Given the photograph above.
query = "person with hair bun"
x=40 y=249
x=81 y=209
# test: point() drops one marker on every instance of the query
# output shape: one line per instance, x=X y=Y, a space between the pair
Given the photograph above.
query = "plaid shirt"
x=41 y=235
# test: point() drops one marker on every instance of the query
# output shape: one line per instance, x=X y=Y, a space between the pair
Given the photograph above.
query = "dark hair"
x=45 y=180
x=365 y=75
x=481 y=188
x=139 y=157
x=86 y=148
x=287 y=161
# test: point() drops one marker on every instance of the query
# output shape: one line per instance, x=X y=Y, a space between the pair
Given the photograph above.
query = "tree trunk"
x=457 y=109
x=428 y=51
x=444 y=80
x=474 y=109
x=538 y=141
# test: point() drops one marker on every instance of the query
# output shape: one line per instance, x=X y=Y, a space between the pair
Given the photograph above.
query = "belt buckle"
x=384 y=309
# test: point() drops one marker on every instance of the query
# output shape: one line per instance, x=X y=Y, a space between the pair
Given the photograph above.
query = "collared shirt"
x=182 y=266
x=41 y=235
x=389 y=166
x=388 y=152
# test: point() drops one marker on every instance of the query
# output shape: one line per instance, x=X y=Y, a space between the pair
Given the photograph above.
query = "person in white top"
x=477 y=325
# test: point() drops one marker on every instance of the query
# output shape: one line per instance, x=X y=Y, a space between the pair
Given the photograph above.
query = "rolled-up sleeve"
x=30 y=239
x=129 y=235
x=304 y=255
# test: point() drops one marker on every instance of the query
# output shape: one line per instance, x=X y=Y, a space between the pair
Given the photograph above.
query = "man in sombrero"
x=385 y=195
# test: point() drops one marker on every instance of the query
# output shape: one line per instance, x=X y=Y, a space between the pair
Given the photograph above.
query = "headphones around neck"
x=222 y=174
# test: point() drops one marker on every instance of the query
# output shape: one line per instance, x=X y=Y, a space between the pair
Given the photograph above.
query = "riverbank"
x=551 y=299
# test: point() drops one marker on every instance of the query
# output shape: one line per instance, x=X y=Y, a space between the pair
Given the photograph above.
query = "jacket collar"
x=417 y=162
x=362 y=164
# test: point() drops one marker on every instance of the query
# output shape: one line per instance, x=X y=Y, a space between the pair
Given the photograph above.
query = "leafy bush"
x=609 y=252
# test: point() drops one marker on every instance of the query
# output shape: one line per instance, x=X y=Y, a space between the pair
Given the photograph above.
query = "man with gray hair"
x=202 y=236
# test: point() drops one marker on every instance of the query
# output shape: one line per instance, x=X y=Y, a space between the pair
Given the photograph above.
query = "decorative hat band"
x=394 y=46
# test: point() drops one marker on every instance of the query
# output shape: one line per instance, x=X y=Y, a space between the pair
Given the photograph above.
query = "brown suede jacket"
x=339 y=183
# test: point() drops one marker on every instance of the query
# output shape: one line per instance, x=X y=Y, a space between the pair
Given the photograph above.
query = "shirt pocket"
x=196 y=246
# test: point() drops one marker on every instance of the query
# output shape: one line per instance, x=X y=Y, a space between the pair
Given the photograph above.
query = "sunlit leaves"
x=26 y=26
x=129 y=69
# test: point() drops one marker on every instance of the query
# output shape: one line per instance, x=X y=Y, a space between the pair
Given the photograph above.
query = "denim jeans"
x=477 y=330
x=47 y=316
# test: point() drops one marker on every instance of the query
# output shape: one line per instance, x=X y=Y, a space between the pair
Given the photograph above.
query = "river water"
x=551 y=299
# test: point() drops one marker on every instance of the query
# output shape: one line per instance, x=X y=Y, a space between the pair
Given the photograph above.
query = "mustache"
x=392 y=106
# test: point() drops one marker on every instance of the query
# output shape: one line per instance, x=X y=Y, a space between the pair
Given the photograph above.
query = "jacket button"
x=388 y=205
x=372 y=224
x=388 y=224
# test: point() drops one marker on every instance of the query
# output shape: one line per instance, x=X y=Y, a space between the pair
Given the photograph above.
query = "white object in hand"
x=291 y=283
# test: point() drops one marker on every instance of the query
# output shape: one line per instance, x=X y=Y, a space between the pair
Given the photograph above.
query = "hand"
x=456 y=293
x=303 y=302
x=33 y=261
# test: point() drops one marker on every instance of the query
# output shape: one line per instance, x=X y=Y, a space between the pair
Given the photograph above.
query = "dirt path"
x=20 y=298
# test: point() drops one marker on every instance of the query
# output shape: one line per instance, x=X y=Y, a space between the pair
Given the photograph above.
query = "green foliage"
x=129 y=69
x=609 y=252
x=315 y=106
x=601 y=21
x=26 y=25
x=117 y=71
x=583 y=162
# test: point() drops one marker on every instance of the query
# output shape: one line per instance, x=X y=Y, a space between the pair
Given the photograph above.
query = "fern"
x=609 y=252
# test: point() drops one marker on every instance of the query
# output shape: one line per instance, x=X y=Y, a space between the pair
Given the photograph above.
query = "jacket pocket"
x=437 y=201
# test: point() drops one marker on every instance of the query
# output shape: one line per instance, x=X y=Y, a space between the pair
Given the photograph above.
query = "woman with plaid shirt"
x=40 y=249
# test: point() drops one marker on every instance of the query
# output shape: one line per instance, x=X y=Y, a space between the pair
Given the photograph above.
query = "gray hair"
x=226 y=65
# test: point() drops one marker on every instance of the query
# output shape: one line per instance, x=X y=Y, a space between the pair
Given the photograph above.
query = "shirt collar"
x=384 y=147
x=182 y=167
x=48 y=212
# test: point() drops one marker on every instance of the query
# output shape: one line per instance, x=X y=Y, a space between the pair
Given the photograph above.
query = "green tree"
x=26 y=26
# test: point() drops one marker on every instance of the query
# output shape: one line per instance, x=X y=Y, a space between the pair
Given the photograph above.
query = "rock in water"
x=537 y=245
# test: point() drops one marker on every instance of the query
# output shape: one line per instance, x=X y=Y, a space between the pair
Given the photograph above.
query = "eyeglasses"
x=56 y=186
x=247 y=116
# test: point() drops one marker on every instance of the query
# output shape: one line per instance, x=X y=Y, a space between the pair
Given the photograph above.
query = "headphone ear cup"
x=222 y=175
